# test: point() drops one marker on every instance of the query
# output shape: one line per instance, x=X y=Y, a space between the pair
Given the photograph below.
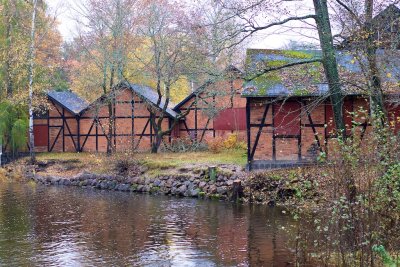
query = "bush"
x=216 y=145
x=233 y=142
x=125 y=164
x=361 y=207
x=13 y=126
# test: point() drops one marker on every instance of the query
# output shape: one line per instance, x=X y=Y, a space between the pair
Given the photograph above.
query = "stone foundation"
x=225 y=186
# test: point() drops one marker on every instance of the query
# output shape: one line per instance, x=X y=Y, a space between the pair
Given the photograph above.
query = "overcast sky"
x=272 y=39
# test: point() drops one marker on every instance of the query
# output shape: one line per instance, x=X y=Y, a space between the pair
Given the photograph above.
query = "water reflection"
x=56 y=226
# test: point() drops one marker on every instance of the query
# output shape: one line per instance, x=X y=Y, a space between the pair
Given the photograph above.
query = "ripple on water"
x=75 y=227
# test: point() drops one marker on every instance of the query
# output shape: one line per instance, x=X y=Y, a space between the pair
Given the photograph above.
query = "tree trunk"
x=111 y=125
x=329 y=63
x=377 y=102
x=9 y=85
x=156 y=143
x=31 y=66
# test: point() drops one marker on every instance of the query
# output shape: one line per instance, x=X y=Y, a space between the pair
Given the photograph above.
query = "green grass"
x=169 y=160
x=156 y=163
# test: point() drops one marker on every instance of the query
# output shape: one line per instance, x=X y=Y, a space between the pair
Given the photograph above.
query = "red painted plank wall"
x=287 y=118
x=231 y=119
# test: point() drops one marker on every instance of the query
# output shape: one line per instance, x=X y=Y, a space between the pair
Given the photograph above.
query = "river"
x=64 y=226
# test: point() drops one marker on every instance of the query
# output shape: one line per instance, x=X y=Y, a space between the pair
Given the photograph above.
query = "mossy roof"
x=309 y=79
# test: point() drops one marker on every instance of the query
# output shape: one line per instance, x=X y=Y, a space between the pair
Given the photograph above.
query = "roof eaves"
x=49 y=95
x=191 y=95
x=169 y=111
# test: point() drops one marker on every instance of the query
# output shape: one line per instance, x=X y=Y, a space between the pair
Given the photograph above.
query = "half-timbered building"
x=289 y=114
x=215 y=109
x=121 y=117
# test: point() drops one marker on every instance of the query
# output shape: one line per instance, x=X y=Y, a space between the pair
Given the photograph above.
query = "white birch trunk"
x=31 y=65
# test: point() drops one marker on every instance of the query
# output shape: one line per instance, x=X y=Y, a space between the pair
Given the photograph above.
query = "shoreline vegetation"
x=349 y=203
x=178 y=174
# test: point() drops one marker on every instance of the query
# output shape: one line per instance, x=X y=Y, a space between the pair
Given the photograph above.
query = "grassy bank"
x=71 y=163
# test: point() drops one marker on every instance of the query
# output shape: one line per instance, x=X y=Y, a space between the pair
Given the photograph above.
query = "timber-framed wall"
x=215 y=111
x=292 y=131
x=87 y=127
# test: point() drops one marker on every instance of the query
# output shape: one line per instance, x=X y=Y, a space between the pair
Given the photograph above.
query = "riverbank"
x=201 y=175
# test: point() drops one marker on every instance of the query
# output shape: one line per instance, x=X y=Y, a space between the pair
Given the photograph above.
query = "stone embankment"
x=226 y=186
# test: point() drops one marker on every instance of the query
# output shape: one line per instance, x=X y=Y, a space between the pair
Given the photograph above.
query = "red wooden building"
x=215 y=109
x=289 y=114
x=73 y=125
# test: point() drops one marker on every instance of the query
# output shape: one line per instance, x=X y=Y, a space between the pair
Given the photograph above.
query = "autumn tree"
x=167 y=39
x=253 y=19
x=103 y=43
x=31 y=59
x=16 y=72
x=178 y=50
x=364 y=28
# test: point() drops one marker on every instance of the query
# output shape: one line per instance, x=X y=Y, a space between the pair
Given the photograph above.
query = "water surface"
x=64 y=226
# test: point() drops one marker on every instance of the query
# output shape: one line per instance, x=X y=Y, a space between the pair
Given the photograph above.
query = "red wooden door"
x=41 y=135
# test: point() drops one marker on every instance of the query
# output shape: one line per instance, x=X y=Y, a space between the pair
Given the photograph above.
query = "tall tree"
x=31 y=58
x=180 y=50
x=329 y=61
x=106 y=33
x=172 y=54
x=363 y=34
x=248 y=13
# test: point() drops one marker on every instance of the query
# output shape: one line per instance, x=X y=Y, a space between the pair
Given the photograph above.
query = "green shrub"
x=13 y=126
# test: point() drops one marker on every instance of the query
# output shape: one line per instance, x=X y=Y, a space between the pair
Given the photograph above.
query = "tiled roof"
x=69 y=101
x=149 y=94
x=309 y=79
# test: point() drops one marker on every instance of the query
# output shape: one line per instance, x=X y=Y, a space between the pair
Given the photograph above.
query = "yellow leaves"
x=180 y=90
x=389 y=75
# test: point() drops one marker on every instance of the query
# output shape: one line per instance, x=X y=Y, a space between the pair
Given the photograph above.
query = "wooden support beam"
x=48 y=131
x=253 y=151
x=187 y=129
x=87 y=136
x=248 y=131
x=55 y=140
x=314 y=131
x=97 y=135
x=63 y=130
x=144 y=130
x=79 y=134
x=204 y=130
x=195 y=123
x=273 y=135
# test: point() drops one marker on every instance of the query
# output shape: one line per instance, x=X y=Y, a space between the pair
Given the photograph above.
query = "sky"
x=276 y=38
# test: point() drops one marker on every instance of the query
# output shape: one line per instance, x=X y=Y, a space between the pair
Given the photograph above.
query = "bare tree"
x=363 y=34
x=106 y=31
x=248 y=13
x=179 y=49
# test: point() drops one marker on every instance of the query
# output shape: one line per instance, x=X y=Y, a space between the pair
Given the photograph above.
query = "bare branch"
x=259 y=73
